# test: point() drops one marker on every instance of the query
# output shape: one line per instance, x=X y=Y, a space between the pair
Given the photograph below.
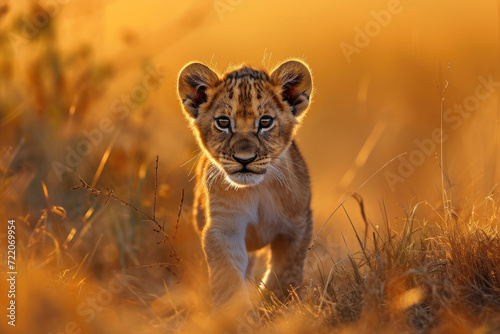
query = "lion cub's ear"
x=295 y=80
x=194 y=80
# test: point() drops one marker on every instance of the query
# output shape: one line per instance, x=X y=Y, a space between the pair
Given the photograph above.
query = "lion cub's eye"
x=266 y=122
x=222 y=123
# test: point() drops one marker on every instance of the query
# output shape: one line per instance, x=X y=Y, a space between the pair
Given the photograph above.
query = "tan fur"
x=241 y=210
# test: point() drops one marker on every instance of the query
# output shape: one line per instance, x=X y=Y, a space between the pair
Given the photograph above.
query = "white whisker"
x=279 y=175
x=289 y=161
x=198 y=172
x=212 y=175
x=273 y=174
x=287 y=167
x=285 y=179
x=195 y=162
x=196 y=156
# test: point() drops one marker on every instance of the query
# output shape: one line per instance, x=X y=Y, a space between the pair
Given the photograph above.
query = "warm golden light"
x=103 y=243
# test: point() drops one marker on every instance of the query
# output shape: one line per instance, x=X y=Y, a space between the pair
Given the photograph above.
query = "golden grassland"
x=107 y=246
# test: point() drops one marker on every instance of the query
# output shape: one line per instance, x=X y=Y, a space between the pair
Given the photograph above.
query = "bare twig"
x=153 y=265
x=179 y=213
x=109 y=195
x=156 y=186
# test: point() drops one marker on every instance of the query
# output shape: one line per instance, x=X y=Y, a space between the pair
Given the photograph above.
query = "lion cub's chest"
x=267 y=220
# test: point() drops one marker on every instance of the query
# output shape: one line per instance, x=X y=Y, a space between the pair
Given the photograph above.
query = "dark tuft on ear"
x=295 y=81
x=194 y=80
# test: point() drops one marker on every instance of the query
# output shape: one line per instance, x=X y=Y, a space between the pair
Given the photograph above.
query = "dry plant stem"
x=109 y=195
x=345 y=200
x=156 y=186
x=179 y=213
x=445 y=196
x=359 y=199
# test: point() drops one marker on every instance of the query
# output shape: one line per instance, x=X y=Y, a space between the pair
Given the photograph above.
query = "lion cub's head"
x=246 y=119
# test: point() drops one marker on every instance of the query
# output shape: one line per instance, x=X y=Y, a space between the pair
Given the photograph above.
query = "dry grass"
x=126 y=260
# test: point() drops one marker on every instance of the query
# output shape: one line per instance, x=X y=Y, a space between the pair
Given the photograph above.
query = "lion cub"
x=253 y=185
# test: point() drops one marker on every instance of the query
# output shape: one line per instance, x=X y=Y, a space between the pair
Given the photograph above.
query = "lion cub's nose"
x=244 y=159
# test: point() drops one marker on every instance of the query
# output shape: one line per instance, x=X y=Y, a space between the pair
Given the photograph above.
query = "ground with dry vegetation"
x=107 y=246
x=433 y=276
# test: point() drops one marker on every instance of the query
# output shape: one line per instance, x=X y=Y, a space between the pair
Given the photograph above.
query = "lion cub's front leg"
x=224 y=247
x=288 y=253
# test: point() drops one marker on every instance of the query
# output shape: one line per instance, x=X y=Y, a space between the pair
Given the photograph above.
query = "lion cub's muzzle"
x=248 y=167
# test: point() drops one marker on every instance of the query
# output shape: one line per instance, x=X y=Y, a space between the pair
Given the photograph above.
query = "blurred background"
x=91 y=86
